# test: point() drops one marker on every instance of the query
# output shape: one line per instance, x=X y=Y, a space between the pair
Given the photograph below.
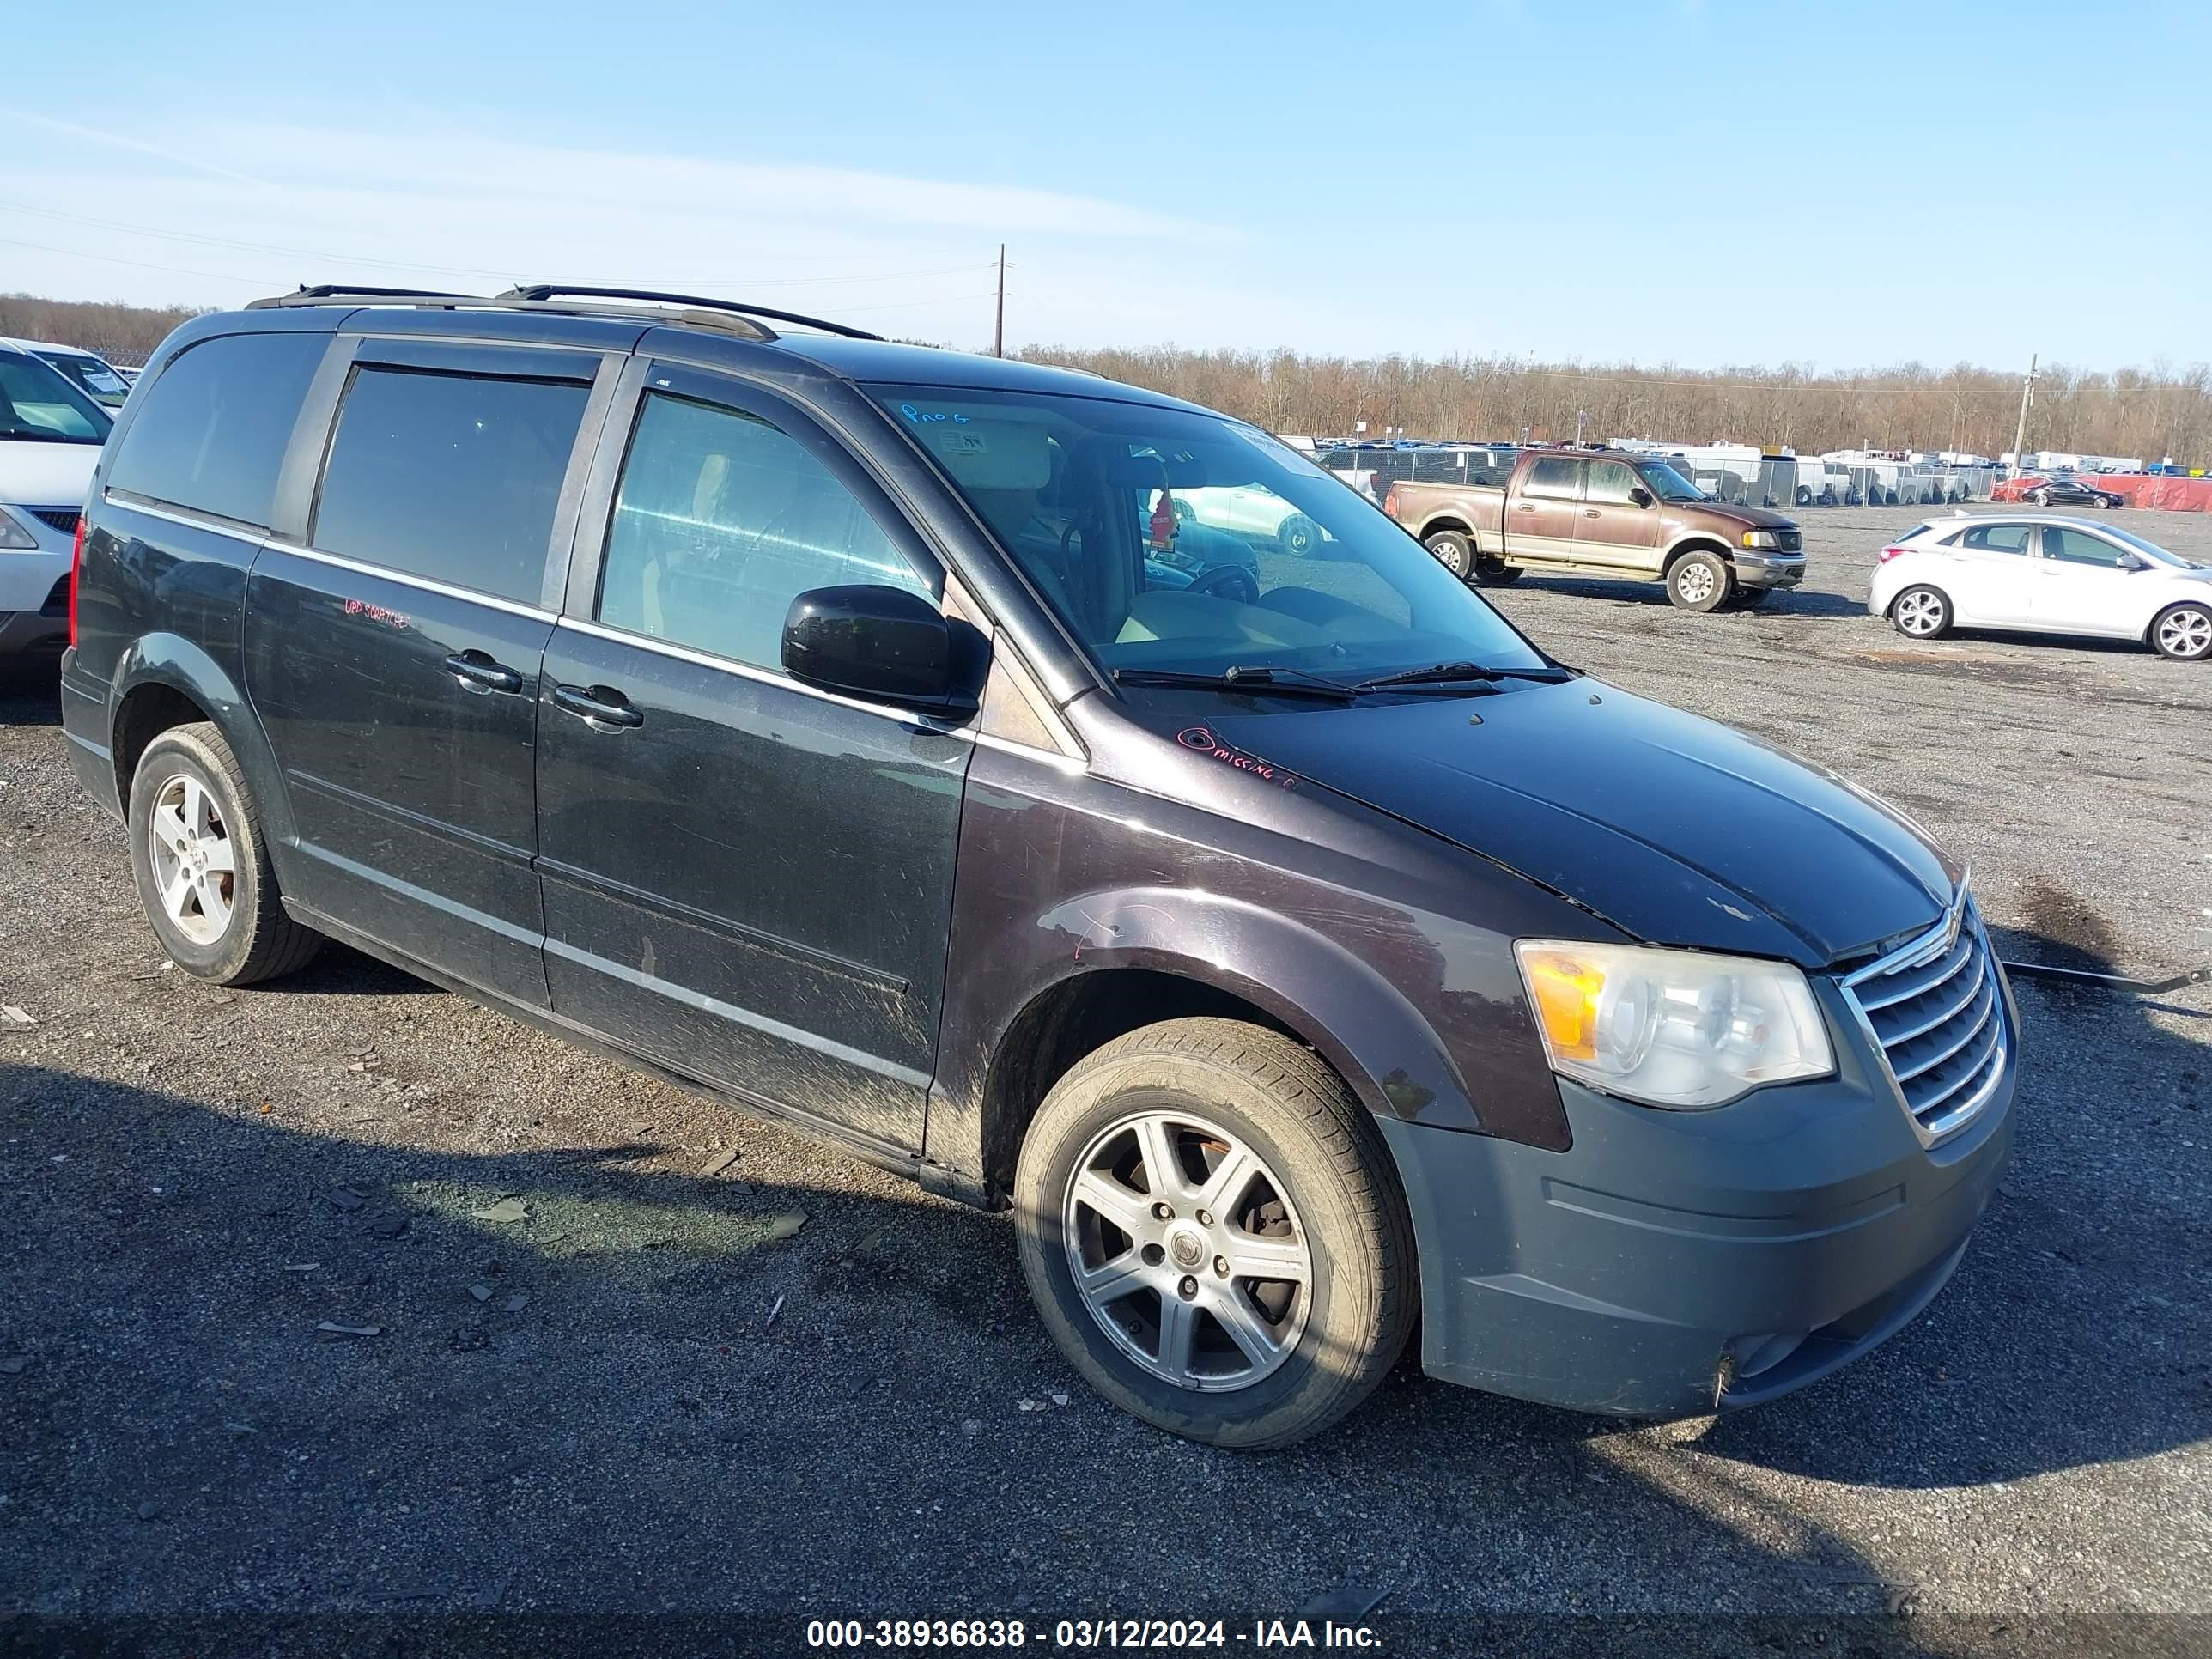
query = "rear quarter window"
x=212 y=432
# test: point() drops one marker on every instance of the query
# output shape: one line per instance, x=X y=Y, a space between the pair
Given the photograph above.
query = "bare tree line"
x=120 y=333
x=2148 y=412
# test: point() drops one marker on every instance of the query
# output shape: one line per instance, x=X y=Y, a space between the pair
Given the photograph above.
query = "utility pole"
x=2026 y=402
x=1580 y=415
x=999 y=328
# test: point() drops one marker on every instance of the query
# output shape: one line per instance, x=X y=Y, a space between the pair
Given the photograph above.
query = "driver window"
x=721 y=520
x=2079 y=547
x=1609 y=484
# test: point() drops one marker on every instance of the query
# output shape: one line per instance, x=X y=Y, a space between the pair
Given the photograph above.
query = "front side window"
x=37 y=405
x=212 y=430
x=2079 y=547
x=455 y=477
x=1174 y=541
x=1667 y=484
x=1554 y=479
x=721 y=520
x=90 y=376
x=1609 y=484
x=1995 y=538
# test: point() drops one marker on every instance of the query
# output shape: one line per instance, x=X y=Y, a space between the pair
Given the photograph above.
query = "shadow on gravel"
x=1797 y=601
x=269 y=1369
x=2074 y=1333
x=31 y=689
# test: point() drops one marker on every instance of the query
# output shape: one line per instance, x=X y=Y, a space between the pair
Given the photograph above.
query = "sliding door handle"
x=477 y=671
x=602 y=705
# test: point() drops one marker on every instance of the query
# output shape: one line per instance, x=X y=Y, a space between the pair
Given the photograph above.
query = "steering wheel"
x=1229 y=582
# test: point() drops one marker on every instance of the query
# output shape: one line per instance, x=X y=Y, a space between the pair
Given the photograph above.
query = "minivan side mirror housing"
x=886 y=645
x=1640 y=495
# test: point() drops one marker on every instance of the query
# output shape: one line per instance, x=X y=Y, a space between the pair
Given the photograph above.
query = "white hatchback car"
x=2044 y=575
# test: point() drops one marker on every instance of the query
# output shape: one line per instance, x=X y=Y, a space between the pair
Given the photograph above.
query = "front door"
x=743 y=877
x=394 y=660
x=1541 y=517
x=2085 y=585
x=1614 y=528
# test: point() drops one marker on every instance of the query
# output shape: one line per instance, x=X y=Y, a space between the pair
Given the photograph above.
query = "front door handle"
x=1527 y=506
x=1589 y=513
x=475 y=671
x=601 y=704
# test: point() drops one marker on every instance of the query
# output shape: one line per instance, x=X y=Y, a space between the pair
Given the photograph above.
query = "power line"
x=179 y=270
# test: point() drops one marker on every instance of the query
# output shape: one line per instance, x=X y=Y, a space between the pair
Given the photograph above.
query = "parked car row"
x=1072 y=798
x=51 y=432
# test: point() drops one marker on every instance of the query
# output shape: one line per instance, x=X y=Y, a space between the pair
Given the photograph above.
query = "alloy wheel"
x=2186 y=633
x=194 y=859
x=1185 y=1248
x=1920 y=614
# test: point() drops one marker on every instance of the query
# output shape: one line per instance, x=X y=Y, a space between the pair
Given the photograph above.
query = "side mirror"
x=886 y=644
x=2134 y=562
x=1640 y=495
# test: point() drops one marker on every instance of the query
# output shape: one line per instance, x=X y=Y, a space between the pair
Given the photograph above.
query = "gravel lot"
x=598 y=1407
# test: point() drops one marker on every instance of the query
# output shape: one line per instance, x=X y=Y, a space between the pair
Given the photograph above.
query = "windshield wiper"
x=1445 y=673
x=1281 y=681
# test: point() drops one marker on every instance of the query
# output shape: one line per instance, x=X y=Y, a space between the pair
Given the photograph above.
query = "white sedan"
x=2044 y=575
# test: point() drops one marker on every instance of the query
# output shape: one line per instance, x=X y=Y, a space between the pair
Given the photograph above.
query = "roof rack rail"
x=729 y=318
x=544 y=291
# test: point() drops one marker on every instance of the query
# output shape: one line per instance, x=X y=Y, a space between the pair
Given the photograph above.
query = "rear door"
x=1541 y=516
x=744 y=877
x=1988 y=573
x=394 y=658
x=2084 y=584
x=1613 y=528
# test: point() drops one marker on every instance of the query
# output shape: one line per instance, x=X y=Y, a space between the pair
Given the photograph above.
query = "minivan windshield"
x=1667 y=484
x=1172 y=541
x=37 y=405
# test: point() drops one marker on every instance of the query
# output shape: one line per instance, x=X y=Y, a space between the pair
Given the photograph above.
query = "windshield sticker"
x=929 y=416
x=1202 y=739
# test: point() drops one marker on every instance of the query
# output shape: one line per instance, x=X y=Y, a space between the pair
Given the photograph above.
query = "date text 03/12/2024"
x=1163 y=1634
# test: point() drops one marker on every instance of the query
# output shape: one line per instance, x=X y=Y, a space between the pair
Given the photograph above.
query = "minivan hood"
x=1676 y=830
x=46 y=475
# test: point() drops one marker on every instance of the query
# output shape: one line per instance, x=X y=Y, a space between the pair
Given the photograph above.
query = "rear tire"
x=2182 y=632
x=1453 y=550
x=1299 y=535
x=1162 y=1295
x=1749 y=598
x=1699 y=581
x=201 y=863
x=1921 y=612
x=1495 y=573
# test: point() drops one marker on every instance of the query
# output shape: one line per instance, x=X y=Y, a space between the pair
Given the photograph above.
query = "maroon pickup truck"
x=1605 y=512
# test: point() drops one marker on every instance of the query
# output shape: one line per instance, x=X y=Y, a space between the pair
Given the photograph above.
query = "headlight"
x=13 y=537
x=1762 y=538
x=1671 y=1028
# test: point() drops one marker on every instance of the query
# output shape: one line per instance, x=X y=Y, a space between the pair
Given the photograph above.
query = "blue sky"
x=1700 y=182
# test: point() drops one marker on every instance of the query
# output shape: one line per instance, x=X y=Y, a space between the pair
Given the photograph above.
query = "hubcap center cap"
x=1187 y=1247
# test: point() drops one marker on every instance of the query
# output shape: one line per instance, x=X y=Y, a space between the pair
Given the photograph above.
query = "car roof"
x=39 y=348
x=720 y=332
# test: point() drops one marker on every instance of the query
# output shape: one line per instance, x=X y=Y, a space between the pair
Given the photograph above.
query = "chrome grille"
x=63 y=519
x=1936 y=1009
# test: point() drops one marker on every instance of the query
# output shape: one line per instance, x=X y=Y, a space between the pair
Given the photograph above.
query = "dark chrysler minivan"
x=1303 y=954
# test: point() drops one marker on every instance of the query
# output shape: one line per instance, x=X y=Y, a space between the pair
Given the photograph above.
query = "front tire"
x=1207 y=1223
x=2182 y=632
x=201 y=863
x=1922 y=612
x=1299 y=535
x=1699 y=581
x=1453 y=550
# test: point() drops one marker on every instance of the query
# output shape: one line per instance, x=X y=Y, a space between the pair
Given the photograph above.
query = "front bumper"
x=1768 y=569
x=1673 y=1263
